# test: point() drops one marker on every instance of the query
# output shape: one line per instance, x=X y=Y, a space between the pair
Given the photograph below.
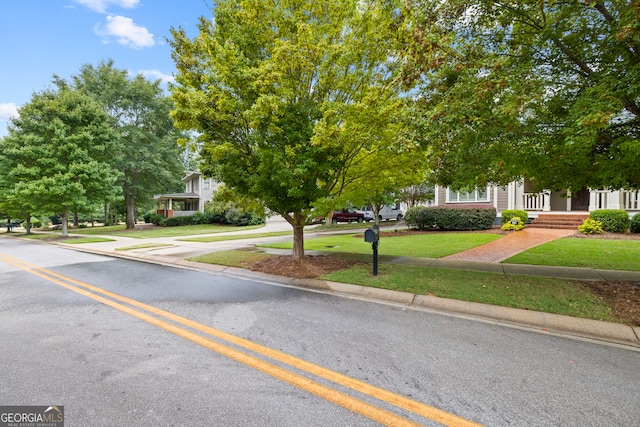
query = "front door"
x=580 y=200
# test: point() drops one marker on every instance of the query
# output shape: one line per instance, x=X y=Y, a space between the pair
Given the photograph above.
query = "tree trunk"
x=131 y=211
x=8 y=224
x=27 y=224
x=75 y=219
x=65 y=225
x=297 y=221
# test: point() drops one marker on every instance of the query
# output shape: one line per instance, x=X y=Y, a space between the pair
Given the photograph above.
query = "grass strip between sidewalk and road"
x=543 y=294
x=185 y=230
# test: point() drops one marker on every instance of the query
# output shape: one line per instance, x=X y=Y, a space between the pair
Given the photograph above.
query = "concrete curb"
x=547 y=322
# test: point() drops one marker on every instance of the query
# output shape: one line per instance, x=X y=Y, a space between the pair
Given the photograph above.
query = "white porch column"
x=593 y=200
x=614 y=200
x=546 y=200
x=511 y=204
x=170 y=204
x=569 y=196
x=436 y=191
x=519 y=193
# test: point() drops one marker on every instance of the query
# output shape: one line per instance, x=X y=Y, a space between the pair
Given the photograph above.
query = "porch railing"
x=183 y=213
x=631 y=200
x=601 y=199
x=534 y=201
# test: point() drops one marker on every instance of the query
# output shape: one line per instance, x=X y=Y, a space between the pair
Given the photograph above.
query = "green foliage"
x=590 y=226
x=147 y=154
x=514 y=224
x=434 y=218
x=613 y=220
x=508 y=214
x=519 y=88
x=285 y=96
x=634 y=224
x=158 y=219
x=56 y=156
x=229 y=216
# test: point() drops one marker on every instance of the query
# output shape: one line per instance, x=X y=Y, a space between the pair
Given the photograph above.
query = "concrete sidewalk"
x=177 y=251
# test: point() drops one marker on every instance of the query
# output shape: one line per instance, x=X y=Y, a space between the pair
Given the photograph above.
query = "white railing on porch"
x=601 y=198
x=183 y=213
x=631 y=200
x=534 y=201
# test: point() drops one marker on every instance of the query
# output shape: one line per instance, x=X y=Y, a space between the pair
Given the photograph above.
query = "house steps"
x=559 y=221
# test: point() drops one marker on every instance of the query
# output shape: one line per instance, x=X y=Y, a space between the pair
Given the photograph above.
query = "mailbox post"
x=372 y=235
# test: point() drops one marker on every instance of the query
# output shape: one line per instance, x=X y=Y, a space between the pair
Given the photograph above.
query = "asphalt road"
x=86 y=331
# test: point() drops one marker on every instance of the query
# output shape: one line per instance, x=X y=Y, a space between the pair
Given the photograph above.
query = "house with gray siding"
x=198 y=191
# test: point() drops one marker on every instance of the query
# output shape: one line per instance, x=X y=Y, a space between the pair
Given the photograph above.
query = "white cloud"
x=157 y=75
x=101 y=5
x=8 y=111
x=126 y=32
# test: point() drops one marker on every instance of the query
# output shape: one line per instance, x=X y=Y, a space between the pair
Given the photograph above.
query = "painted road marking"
x=344 y=400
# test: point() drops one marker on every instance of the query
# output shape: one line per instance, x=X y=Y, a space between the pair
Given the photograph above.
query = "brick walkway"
x=510 y=245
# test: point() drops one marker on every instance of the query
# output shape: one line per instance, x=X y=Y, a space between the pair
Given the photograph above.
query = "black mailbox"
x=372 y=235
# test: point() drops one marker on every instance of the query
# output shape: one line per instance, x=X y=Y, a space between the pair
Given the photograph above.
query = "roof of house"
x=176 y=196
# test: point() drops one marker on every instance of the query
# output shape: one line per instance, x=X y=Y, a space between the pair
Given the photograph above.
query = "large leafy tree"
x=54 y=158
x=147 y=152
x=549 y=90
x=274 y=88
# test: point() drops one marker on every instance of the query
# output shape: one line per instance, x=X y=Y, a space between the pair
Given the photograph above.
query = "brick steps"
x=560 y=221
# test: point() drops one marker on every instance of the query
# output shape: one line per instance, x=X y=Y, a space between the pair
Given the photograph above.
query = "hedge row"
x=436 y=218
x=230 y=216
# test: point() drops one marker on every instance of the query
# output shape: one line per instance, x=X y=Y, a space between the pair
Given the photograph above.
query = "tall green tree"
x=147 y=154
x=549 y=90
x=273 y=88
x=55 y=157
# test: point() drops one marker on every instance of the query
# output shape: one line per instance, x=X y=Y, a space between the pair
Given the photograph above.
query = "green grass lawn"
x=606 y=254
x=79 y=240
x=434 y=245
x=186 y=230
x=144 y=246
x=543 y=294
x=209 y=239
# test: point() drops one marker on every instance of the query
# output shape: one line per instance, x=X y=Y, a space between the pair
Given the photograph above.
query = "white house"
x=198 y=191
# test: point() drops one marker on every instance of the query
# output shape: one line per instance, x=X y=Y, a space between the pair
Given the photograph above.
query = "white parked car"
x=386 y=213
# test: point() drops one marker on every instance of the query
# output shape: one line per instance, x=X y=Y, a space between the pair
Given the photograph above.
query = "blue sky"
x=40 y=38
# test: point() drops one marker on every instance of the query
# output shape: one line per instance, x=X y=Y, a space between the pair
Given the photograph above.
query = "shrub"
x=238 y=217
x=147 y=216
x=515 y=224
x=613 y=220
x=158 y=219
x=509 y=214
x=430 y=218
x=201 y=218
x=590 y=226
x=634 y=224
x=179 y=220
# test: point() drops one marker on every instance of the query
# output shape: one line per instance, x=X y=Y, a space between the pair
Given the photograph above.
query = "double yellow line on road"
x=155 y=317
